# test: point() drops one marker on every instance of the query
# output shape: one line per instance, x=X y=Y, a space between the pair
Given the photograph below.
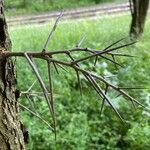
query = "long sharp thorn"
x=81 y=41
x=29 y=89
x=120 y=54
x=113 y=61
x=63 y=68
x=118 y=95
x=103 y=101
x=79 y=82
x=113 y=57
x=133 y=88
x=55 y=66
x=114 y=43
x=52 y=31
x=78 y=77
x=36 y=115
x=131 y=98
x=31 y=103
x=70 y=57
x=43 y=87
x=51 y=95
x=119 y=47
x=96 y=59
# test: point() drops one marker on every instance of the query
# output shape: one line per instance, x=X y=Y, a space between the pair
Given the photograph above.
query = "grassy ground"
x=20 y=7
x=79 y=125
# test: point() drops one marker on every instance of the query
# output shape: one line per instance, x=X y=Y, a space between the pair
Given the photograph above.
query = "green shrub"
x=138 y=135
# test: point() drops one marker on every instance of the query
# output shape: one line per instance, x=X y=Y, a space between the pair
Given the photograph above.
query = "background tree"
x=139 y=9
x=10 y=126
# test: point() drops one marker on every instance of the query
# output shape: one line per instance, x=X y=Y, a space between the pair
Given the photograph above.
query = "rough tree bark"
x=139 y=13
x=11 y=133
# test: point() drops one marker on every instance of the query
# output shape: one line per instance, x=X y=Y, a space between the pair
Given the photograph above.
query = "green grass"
x=98 y=33
x=79 y=125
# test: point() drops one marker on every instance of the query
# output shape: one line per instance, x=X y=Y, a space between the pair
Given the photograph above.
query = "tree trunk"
x=139 y=13
x=11 y=134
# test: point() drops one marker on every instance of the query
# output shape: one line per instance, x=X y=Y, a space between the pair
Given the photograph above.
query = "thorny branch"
x=76 y=65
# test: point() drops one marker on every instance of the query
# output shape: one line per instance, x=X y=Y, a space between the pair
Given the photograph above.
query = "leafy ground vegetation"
x=34 y=6
x=79 y=124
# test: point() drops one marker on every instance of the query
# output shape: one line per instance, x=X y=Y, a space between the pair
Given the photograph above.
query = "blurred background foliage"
x=79 y=124
x=16 y=7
